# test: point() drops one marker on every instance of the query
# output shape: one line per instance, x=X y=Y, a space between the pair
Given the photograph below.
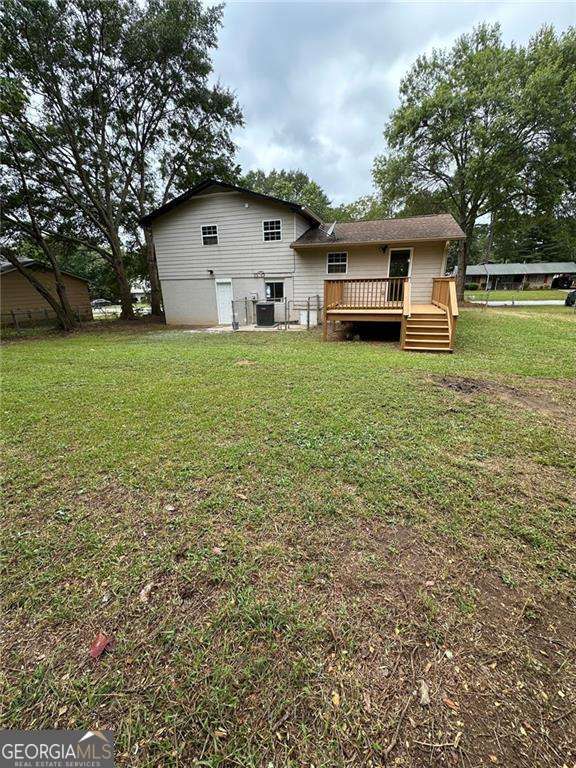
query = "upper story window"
x=272 y=229
x=210 y=234
x=337 y=263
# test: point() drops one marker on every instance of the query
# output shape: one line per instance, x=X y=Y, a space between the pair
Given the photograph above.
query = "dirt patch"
x=541 y=402
x=245 y=362
x=495 y=660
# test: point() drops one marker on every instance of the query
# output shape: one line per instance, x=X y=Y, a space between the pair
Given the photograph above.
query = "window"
x=272 y=230
x=274 y=291
x=337 y=263
x=209 y=234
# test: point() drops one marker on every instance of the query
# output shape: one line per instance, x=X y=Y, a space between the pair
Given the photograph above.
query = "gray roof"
x=7 y=266
x=210 y=184
x=440 y=226
x=522 y=268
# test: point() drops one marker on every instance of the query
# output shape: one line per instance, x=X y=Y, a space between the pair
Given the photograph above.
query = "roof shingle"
x=440 y=226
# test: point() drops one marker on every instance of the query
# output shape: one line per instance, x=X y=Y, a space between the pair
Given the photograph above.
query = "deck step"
x=427 y=324
x=410 y=348
x=427 y=320
x=427 y=335
x=431 y=340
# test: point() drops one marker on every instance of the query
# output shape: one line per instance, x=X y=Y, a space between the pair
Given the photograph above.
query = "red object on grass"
x=100 y=644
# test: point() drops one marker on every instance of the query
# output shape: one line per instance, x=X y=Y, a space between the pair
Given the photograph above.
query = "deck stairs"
x=427 y=330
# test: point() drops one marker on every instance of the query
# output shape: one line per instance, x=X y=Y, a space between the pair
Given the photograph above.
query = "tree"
x=179 y=130
x=472 y=127
x=24 y=215
x=113 y=105
x=295 y=186
x=365 y=208
x=534 y=237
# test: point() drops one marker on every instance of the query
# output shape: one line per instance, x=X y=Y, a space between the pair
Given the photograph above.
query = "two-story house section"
x=217 y=243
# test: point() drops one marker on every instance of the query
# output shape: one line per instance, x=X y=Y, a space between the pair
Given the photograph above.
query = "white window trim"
x=274 y=280
x=207 y=245
x=332 y=253
x=266 y=221
x=400 y=248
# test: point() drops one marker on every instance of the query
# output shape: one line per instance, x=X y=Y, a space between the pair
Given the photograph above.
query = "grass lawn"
x=536 y=295
x=295 y=545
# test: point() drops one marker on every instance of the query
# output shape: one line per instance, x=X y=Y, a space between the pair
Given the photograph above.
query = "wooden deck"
x=383 y=314
x=424 y=327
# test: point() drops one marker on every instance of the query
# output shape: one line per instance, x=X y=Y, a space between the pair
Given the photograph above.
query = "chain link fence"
x=18 y=319
x=15 y=321
x=306 y=312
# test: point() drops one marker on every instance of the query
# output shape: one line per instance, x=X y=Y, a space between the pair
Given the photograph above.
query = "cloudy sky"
x=317 y=81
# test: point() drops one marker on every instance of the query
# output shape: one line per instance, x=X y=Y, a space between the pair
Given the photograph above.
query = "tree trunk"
x=155 y=287
x=490 y=243
x=462 y=264
x=127 y=312
x=61 y=291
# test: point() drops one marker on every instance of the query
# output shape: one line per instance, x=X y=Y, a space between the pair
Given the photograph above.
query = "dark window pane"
x=210 y=234
x=274 y=291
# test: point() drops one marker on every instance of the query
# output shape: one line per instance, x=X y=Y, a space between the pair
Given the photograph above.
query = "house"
x=521 y=276
x=220 y=246
x=22 y=304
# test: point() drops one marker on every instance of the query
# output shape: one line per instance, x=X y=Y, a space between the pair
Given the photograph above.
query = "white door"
x=224 y=301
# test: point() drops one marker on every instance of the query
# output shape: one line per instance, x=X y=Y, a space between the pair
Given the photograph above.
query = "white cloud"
x=317 y=81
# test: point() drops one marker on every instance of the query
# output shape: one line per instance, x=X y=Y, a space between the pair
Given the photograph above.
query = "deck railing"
x=365 y=293
x=444 y=297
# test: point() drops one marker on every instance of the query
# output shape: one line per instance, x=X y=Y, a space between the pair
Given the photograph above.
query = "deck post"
x=325 y=314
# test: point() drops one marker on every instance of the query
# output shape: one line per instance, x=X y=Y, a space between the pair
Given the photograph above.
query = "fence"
x=20 y=319
x=25 y=318
x=288 y=311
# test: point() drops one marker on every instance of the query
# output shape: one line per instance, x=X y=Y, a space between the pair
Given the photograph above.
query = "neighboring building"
x=519 y=276
x=218 y=243
x=21 y=302
x=140 y=290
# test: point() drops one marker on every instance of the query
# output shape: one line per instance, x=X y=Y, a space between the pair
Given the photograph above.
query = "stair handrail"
x=453 y=299
x=407 y=298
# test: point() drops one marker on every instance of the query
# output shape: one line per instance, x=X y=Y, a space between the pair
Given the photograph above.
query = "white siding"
x=369 y=261
x=190 y=302
x=243 y=256
x=428 y=263
x=241 y=250
x=193 y=302
x=300 y=226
